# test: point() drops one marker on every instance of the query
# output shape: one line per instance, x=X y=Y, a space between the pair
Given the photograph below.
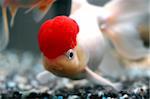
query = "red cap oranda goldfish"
x=70 y=51
x=38 y=7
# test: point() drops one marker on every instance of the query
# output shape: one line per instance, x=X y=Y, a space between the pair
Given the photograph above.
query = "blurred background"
x=23 y=35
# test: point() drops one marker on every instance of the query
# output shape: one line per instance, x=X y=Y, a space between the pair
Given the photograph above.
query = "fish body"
x=90 y=37
x=99 y=53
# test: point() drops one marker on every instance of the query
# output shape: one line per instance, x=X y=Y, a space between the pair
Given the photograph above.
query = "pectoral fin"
x=98 y=79
x=45 y=77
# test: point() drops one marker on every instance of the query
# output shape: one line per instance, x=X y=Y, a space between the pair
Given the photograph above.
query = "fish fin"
x=98 y=79
x=123 y=10
x=121 y=26
x=13 y=11
x=5 y=2
x=44 y=77
x=32 y=8
x=4 y=31
x=127 y=41
x=126 y=6
x=117 y=70
x=41 y=11
x=118 y=86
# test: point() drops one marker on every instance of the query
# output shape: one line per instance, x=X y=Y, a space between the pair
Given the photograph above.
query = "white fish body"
x=91 y=40
x=90 y=37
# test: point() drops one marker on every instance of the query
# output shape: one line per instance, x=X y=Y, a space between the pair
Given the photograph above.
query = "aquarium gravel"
x=13 y=90
x=18 y=81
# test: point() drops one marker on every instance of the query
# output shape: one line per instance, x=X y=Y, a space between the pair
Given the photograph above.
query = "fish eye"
x=70 y=54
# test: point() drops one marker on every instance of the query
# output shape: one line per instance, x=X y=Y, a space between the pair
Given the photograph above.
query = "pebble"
x=24 y=87
x=125 y=96
x=2 y=86
x=73 y=97
x=100 y=93
x=34 y=83
x=20 y=79
x=16 y=95
x=11 y=84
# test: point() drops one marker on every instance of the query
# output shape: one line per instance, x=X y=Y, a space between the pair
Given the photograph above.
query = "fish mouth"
x=61 y=71
x=73 y=76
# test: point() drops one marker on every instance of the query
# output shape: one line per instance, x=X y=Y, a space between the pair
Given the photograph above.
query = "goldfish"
x=76 y=46
x=73 y=48
x=38 y=7
x=126 y=24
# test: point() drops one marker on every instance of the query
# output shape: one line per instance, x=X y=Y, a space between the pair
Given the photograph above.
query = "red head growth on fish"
x=57 y=36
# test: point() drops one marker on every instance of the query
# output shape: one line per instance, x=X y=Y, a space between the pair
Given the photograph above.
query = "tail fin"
x=13 y=11
x=4 y=31
x=40 y=12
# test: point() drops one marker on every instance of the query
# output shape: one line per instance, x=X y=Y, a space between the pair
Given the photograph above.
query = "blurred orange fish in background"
x=39 y=9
